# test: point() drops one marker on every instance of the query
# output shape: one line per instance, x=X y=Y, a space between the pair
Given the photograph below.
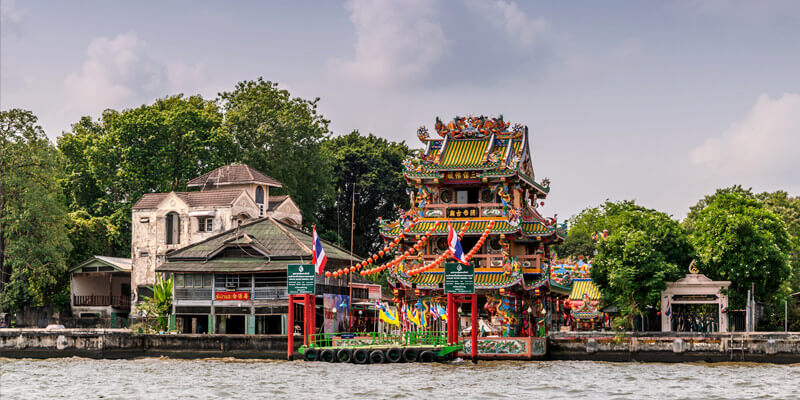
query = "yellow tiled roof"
x=483 y=280
x=463 y=153
x=584 y=286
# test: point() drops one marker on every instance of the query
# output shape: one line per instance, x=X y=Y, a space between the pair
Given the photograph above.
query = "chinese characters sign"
x=461 y=175
x=462 y=212
x=224 y=296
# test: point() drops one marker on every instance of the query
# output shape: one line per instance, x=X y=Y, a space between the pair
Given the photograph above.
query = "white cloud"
x=419 y=41
x=742 y=10
x=10 y=14
x=766 y=141
x=507 y=16
x=396 y=42
x=119 y=72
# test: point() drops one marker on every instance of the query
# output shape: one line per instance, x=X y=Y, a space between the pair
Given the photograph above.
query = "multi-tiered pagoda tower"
x=476 y=173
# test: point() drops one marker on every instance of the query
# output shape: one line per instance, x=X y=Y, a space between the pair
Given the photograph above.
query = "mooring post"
x=474 y=329
x=290 y=329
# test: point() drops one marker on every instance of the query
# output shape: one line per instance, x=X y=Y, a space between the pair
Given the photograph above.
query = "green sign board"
x=459 y=278
x=300 y=278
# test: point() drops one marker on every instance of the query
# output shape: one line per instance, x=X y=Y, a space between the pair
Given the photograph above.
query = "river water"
x=162 y=378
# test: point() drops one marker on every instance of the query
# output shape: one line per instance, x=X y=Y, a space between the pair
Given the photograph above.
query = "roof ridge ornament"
x=693 y=267
x=473 y=127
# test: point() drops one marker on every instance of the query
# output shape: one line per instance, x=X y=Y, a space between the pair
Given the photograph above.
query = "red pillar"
x=308 y=321
x=312 y=314
x=452 y=336
x=474 y=329
x=290 y=329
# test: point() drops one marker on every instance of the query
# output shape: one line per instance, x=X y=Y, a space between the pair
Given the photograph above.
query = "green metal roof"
x=277 y=238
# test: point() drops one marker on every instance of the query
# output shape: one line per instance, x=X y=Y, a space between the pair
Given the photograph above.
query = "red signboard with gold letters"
x=222 y=296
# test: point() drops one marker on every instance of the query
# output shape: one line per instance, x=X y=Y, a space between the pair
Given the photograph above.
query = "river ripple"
x=149 y=378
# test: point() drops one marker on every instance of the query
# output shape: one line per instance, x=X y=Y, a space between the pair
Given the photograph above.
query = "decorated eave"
x=476 y=227
x=475 y=149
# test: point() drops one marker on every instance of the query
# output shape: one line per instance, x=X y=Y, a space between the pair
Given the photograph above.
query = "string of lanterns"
x=371 y=259
x=468 y=256
x=399 y=259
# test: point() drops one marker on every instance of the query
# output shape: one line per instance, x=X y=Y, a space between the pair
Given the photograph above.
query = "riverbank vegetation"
x=61 y=204
x=752 y=240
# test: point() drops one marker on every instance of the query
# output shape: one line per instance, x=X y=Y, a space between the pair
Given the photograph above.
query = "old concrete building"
x=225 y=197
x=101 y=286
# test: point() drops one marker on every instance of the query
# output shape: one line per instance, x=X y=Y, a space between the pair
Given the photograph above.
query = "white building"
x=226 y=197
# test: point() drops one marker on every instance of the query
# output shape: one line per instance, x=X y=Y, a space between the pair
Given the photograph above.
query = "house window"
x=193 y=280
x=260 y=200
x=173 y=228
x=206 y=224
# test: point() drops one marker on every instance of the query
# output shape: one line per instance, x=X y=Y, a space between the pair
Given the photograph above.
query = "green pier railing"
x=367 y=339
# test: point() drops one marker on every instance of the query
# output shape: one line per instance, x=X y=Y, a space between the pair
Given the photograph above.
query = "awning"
x=223 y=265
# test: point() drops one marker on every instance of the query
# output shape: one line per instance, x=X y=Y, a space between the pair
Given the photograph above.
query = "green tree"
x=282 y=136
x=375 y=166
x=113 y=161
x=581 y=228
x=738 y=239
x=33 y=234
x=788 y=208
x=644 y=250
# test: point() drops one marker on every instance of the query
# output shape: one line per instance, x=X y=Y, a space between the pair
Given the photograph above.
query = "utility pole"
x=352 y=230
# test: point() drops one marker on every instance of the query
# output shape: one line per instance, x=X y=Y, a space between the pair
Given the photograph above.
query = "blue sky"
x=661 y=102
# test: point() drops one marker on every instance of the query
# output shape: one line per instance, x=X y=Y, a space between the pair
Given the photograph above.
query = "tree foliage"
x=788 y=209
x=579 y=240
x=738 y=239
x=375 y=166
x=282 y=136
x=33 y=234
x=112 y=162
x=644 y=250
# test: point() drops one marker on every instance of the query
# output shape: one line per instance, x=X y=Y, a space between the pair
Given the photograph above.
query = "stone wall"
x=675 y=347
x=600 y=346
x=121 y=343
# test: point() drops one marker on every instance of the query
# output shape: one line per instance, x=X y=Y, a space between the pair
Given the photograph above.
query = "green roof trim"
x=117 y=263
x=227 y=265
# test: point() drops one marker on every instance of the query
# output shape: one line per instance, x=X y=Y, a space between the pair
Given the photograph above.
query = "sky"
x=662 y=102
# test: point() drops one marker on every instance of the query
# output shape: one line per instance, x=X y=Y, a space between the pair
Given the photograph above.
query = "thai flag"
x=669 y=309
x=318 y=253
x=455 y=246
x=434 y=312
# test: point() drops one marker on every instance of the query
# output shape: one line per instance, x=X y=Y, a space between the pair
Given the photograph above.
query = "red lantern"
x=352 y=269
x=328 y=274
x=381 y=253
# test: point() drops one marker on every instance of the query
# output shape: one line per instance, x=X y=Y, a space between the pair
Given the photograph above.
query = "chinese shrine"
x=476 y=175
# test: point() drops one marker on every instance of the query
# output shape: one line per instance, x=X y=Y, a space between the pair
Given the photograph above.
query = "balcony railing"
x=279 y=292
x=491 y=260
x=102 y=301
